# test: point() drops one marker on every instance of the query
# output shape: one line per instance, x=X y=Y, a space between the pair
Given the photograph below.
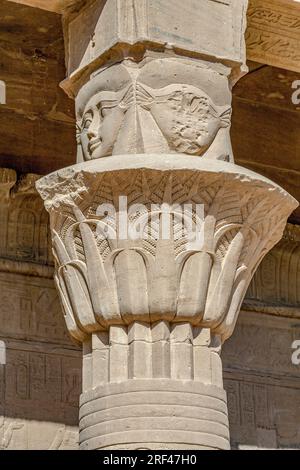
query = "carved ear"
x=144 y=96
x=225 y=117
x=78 y=132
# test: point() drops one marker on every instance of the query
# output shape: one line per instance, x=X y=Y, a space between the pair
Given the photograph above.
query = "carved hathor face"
x=101 y=107
x=132 y=110
x=101 y=122
x=186 y=116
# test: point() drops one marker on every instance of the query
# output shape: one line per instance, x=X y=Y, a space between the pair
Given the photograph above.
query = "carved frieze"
x=40 y=380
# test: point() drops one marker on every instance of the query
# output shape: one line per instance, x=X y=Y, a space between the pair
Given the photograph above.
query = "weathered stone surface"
x=277 y=280
x=261 y=382
x=36 y=109
x=18 y=434
x=273 y=33
x=41 y=381
x=160 y=105
x=24 y=229
x=40 y=369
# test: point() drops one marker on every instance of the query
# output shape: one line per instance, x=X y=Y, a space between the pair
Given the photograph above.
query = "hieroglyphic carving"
x=41 y=382
x=24 y=224
x=268 y=13
x=8 y=179
x=273 y=34
x=267 y=348
x=261 y=382
x=120 y=112
x=233 y=401
x=18 y=434
x=30 y=308
x=65 y=439
x=277 y=280
x=273 y=49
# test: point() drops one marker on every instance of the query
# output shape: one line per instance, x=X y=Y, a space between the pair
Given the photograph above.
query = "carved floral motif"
x=106 y=281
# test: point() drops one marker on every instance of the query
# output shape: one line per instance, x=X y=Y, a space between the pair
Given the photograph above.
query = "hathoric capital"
x=160 y=105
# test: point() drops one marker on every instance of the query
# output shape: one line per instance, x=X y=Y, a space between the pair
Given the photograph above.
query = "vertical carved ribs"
x=142 y=351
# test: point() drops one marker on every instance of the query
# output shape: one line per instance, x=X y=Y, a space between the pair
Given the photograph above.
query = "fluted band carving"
x=171 y=414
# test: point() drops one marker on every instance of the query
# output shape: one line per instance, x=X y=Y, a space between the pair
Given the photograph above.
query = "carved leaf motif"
x=101 y=289
x=75 y=285
x=105 y=281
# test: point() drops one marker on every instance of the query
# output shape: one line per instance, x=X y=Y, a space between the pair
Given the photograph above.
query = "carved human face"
x=101 y=122
x=187 y=117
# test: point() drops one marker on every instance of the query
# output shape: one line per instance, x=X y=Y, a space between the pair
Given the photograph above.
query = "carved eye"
x=104 y=112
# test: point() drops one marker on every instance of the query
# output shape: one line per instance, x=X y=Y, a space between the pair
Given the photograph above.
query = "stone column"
x=156 y=232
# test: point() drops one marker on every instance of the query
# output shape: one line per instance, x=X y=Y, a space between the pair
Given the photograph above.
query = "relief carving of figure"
x=186 y=116
x=135 y=109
